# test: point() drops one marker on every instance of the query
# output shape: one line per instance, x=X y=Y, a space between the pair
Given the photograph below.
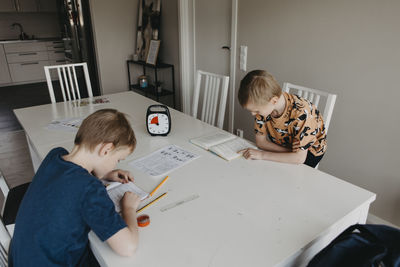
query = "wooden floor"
x=15 y=162
x=19 y=96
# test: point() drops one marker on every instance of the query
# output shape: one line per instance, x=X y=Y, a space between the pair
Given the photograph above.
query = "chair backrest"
x=214 y=91
x=5 y=239
x=314 y=96
x=67 y=76
x=4 y=191
x=5 y=236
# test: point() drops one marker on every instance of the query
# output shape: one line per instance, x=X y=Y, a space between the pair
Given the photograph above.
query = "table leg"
x=36 y=161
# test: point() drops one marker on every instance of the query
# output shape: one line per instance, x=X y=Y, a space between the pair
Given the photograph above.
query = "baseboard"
x=372 y=219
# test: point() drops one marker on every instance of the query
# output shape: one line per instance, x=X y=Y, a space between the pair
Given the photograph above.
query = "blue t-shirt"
x=63 y=203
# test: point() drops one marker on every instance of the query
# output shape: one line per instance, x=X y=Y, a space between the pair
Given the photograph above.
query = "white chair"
x=5 y=239
x=5 y=235
x=68 y=81
x=11 y=201
x=214 y=91
x=314 y=96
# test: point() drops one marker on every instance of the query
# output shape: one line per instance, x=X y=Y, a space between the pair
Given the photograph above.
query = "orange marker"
x=158 y=186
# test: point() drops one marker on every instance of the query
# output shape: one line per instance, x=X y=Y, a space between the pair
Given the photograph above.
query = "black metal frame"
x=151 y=90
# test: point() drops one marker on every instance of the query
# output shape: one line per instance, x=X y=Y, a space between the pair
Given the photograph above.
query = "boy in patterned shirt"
x=288 y=128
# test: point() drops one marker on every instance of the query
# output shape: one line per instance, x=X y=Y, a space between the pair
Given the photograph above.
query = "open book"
x=225 y=145
x=117 y=190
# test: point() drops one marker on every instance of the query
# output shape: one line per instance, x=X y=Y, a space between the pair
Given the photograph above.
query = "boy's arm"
x=125 y=241
x=287 y=157
x=264 y=144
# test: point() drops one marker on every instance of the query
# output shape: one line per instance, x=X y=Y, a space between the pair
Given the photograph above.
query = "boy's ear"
x=105 y=149
x=274 y=100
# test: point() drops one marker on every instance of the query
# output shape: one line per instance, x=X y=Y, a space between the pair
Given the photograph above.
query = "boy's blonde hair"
x=106 y=126
x=258 y=86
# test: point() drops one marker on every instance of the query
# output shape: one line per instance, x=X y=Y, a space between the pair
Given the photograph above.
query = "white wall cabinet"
x=28 y=6
x=47 y=5
x=26 y=60
x=8 y=6
x=4 y=72
x=28 y=71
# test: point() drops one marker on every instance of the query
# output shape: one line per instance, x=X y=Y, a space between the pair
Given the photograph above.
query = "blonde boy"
x=288 y=128
x=67 y=199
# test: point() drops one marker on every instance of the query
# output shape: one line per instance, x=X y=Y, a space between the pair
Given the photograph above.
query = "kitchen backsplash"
x=41 y=25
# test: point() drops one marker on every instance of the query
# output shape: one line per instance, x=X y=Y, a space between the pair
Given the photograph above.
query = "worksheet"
x=117 y=190
x=163 y=160
x=90 y=101
x=66 y=125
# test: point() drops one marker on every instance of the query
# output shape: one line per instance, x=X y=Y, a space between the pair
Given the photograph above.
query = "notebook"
x=225 y=145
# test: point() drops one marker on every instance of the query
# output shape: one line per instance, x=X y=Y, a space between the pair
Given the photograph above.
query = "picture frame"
x=152 y=54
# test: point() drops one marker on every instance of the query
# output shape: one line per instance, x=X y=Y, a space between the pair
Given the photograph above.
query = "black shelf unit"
x=151 y=90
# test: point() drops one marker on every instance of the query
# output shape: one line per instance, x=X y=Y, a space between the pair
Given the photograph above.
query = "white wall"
x=114 y=26
x=42 y=25
x=347 y=47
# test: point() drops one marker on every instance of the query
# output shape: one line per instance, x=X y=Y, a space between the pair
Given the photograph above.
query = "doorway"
x=208 y=43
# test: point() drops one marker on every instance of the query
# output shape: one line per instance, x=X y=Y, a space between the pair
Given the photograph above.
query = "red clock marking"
x=154 y=120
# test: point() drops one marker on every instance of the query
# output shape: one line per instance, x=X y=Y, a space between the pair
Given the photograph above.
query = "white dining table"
x=247 y=212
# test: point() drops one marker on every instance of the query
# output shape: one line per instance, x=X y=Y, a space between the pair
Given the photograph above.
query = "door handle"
x=27 y=54
x=33 y=63
x=226 y=47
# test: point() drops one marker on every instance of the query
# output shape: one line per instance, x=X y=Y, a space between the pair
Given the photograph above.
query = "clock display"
x=158 y=123
x=158 y=120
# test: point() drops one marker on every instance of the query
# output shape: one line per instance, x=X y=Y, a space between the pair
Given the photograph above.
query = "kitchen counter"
x=10 y=41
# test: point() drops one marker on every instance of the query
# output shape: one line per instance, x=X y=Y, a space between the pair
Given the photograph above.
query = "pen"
x=158 y=186
x=150 y=203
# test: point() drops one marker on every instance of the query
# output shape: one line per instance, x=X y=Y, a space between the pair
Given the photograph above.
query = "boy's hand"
x=119 y=176
x=250 y=153
x=295 y=145
x=130 y=201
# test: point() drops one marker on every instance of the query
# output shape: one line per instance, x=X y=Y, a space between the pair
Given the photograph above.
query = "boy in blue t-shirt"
x=66 y=199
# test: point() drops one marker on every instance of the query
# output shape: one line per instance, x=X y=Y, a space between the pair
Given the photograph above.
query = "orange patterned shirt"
x=299 y=121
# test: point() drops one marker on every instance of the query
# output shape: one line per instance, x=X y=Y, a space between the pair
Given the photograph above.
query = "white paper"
x=117 y=190
x=163 y=160
x=66 y=125
x=90 y=101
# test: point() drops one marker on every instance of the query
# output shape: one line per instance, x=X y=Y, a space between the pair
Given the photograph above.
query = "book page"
x=163 y=160
x=117 y=190
x=229 y=149
x=210 y=140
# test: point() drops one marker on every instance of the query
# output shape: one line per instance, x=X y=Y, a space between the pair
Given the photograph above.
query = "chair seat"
x=14 y=198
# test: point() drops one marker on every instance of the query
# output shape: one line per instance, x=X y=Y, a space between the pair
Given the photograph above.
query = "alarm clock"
x=158 y=120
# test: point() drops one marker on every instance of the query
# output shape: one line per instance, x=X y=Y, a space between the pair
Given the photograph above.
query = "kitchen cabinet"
x=47 y=5
x=4 y=72
x=19 y=47
x=8 y=6
x=27 y=5
x=26 y=60
x=28 y=71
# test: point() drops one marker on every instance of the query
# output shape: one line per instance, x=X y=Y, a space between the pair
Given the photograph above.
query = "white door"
x=212 y=41
x=212 y=26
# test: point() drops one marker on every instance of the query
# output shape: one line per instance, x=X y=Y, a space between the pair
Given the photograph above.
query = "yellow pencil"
x=150 y=203
x=158 y=186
